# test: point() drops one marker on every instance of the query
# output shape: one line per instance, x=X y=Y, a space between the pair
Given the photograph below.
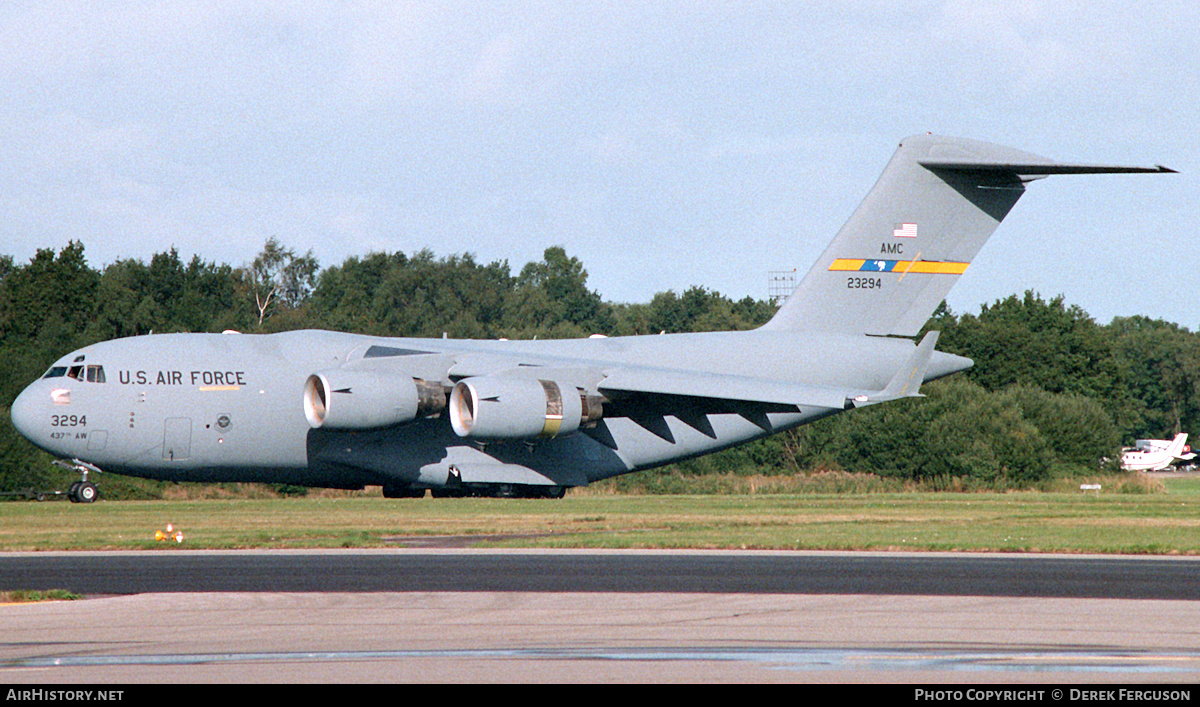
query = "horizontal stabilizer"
x=1048 y=168
x=1043 y=169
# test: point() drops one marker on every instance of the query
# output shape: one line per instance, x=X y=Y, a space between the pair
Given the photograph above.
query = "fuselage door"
x=177 y=438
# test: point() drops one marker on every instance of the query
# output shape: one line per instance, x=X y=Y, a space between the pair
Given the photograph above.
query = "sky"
x=665 y=144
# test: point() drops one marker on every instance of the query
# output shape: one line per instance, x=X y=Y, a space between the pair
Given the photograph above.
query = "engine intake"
x=520 y=408
x=359 y=400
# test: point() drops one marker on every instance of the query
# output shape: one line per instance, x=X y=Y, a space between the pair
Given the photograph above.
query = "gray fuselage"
x=194 y=407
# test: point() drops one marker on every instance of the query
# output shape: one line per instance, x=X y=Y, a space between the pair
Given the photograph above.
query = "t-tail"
x=917 y=230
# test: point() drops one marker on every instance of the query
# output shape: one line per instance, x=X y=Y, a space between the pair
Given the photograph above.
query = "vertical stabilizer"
x=1177 y=445
x=936 y=203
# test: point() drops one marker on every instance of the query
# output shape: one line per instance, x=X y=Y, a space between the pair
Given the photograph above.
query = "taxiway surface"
x=707 y=619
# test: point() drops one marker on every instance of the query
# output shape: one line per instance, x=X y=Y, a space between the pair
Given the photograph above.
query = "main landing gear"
x=82 y=491
x=499 y=491
x=475 y=491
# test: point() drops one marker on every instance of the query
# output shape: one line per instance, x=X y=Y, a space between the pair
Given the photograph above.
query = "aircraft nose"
x=25 y=412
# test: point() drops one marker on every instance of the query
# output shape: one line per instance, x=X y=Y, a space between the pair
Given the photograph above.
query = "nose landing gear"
x=82 y=491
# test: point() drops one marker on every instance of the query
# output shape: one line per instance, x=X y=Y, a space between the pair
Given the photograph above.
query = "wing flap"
x=905 y=383
x=723 y=387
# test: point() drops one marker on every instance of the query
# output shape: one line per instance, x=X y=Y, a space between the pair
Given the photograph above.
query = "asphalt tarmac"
x=518 y=616
x=686 y=571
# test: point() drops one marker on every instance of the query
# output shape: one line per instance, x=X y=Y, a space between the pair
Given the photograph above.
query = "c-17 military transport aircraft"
x=533 y=418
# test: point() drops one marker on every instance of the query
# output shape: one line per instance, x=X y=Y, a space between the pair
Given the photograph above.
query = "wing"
x=906 y=382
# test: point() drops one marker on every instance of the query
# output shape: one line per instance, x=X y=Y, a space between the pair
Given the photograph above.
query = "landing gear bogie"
x=403 y=491
x=499 y=491
x=82 y=491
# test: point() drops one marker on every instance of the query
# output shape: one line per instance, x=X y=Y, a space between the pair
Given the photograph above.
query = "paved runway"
x=628 y=634
x=722 y=572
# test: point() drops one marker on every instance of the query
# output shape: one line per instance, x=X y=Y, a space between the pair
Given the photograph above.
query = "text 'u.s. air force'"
x=182 y=377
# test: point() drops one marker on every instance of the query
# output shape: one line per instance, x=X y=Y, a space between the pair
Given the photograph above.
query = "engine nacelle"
x=500 y=407
x=361 y=400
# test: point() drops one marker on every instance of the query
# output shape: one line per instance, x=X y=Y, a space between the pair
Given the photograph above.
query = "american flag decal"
x=906 y=230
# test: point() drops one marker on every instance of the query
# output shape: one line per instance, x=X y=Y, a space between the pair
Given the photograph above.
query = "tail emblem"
x=906 y=230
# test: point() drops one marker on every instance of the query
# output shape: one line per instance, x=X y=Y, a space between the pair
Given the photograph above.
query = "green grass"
x=1163 y=521
x=27 y=596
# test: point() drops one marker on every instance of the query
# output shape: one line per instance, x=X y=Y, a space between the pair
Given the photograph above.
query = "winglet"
x=907 y=381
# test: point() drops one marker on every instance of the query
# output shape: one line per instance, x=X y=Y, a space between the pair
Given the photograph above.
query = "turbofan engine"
x=359 y=400
x=520 y=408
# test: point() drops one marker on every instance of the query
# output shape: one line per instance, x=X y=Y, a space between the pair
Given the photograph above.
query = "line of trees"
x=1051 y=393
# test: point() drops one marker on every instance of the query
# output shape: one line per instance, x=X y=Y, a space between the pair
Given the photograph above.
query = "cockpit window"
x=80 y=372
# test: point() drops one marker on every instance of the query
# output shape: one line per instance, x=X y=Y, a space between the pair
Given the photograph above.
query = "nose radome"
x=25 y=411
